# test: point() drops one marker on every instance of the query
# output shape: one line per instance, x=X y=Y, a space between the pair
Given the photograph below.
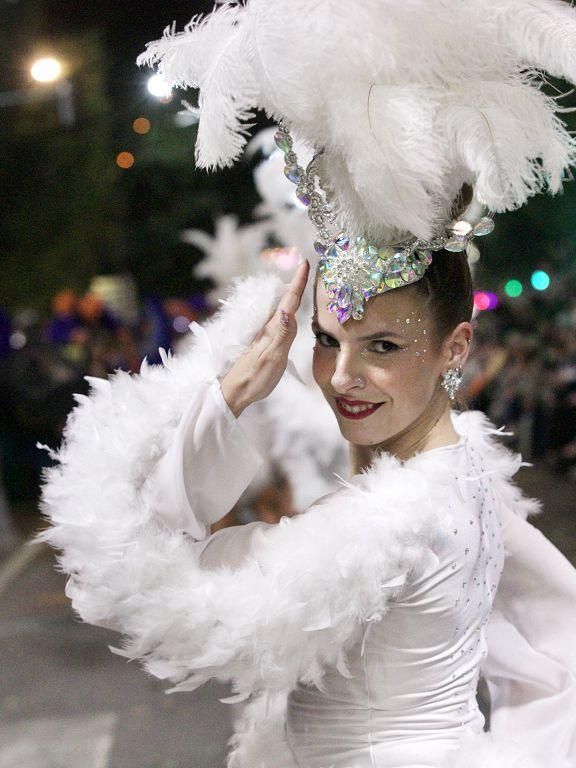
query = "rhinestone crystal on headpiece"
x=353 y=269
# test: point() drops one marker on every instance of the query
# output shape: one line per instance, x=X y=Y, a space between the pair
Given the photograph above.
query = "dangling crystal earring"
x=451 y=380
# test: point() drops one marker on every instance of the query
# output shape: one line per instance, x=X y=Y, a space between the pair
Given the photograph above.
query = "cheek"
x=323 y=363
x=407 y=378
x=420 y=378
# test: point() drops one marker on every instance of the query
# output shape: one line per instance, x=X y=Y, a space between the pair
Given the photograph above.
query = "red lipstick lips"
x=355 y=409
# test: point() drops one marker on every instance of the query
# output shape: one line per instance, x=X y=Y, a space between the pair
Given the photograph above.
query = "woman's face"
x=378 y=374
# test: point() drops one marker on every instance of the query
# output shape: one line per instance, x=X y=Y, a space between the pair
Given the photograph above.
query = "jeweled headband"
x=353 y=269
x=406 y=103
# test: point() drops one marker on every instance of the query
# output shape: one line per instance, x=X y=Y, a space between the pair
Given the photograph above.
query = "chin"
x=361 y=436
x=365 y=442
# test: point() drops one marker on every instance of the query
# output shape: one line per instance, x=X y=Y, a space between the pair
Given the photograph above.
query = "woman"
x=359 y=628
x=370 y=609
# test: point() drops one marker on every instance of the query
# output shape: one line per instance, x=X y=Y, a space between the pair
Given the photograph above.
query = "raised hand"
x=260 y=367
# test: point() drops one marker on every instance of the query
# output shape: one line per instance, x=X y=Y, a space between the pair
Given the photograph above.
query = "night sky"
x=72 y=200
x=125 y=25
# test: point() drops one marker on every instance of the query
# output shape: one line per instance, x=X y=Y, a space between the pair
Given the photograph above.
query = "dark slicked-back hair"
x=447 y=289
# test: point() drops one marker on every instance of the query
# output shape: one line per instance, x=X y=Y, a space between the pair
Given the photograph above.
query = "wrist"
x=233 y=394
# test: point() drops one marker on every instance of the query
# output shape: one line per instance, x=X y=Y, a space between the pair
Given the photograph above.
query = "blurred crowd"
x=522 y=373
x=43 y=362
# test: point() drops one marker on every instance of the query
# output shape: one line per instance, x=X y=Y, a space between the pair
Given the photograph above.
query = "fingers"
x=282 y=323
x=285 y=320
x=291 y=300
x=286 y=325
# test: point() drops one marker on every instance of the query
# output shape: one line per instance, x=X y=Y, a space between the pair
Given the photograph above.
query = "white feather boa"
x=293 y=606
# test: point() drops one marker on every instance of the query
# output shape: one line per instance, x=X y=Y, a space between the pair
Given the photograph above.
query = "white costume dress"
x=360 y=627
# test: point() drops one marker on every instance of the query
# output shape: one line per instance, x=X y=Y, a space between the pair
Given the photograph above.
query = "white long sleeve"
x=531 y=665
x=208 y=465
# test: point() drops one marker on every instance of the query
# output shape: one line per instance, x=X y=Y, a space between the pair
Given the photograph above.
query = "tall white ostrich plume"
x=409 y=100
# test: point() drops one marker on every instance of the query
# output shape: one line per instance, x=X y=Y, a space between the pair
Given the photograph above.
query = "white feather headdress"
x=409 y=100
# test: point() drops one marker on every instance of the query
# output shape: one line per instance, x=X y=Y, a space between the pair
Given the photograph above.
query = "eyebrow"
x=371 y=337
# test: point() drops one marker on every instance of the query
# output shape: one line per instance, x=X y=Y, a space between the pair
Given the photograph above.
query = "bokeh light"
x=484 y=300
x=159 y=88
x=513 y=289
x=18 y=340
x=46 y=70
x=481 y=300
x=540 y=280
x=493 y=298
x=125 y=160
x=181 y=324
x=285 y=259
x=141 y=125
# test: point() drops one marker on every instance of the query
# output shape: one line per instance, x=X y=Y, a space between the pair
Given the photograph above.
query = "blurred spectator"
x=522 y=373
x=64 y=317
x=43 y=363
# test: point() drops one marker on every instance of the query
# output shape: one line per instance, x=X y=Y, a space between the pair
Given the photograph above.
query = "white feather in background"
x=232 y=252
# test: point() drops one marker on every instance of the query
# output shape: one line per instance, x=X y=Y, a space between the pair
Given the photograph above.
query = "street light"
x=159 y=88
x=50 y=71
x=46 y=70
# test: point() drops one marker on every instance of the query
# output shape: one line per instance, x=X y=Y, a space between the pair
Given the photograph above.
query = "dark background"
x=68 y=212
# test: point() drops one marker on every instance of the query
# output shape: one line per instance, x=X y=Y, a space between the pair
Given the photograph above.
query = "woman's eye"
x=383 y=347
x=324 y=340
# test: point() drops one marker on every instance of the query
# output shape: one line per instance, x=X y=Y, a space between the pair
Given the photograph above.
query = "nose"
x=347 y=374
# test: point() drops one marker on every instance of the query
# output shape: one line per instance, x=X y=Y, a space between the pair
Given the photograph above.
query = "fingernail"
x=301 y=260
x=284 y=317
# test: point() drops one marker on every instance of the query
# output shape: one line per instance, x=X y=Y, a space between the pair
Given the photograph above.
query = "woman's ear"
x=457 y=345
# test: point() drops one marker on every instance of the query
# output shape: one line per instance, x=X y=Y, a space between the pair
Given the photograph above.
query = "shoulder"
x=491 y=458
x=393 y=504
